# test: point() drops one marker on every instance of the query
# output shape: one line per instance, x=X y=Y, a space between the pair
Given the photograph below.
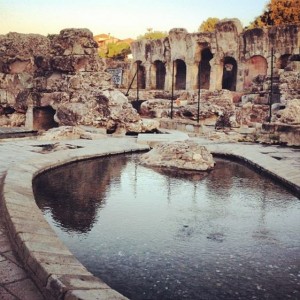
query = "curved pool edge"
x=57 y=273
x=285 y=174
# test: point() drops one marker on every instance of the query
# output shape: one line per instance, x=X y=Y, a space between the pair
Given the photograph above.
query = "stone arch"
x=255 y=66
x=43 y=118
x=158 y=75
x=229 y=73
x=141 y=75
x=204 y=69
x=180 y=77
x=283 y=61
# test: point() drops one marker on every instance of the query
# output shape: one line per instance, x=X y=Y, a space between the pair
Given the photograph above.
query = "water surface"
x=231 y=234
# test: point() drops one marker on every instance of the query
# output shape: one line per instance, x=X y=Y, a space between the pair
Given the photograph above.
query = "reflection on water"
x=152 y=234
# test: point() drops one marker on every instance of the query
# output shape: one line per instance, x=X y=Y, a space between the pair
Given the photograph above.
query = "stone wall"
x=228 y=58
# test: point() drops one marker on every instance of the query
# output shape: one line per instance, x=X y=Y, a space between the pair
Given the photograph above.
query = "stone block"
x=189 y=128
x=24 y=289
x=12 y=272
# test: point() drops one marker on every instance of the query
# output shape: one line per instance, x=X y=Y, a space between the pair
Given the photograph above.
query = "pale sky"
x=120 y=18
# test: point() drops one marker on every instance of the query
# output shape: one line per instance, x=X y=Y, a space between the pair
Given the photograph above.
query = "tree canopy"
x=152 y=35
x=279 y=12
x=118 y=50
x=208 y=25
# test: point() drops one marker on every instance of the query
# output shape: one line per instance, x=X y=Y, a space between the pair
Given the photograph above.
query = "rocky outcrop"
x=65 y=73
x=185 y=155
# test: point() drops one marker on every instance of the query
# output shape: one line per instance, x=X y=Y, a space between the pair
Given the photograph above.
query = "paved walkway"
x=14 y=281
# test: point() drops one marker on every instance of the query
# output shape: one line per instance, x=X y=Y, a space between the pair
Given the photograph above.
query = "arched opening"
x=180 y=78
x=283 y=61
x=204 y=69
x=160 y=74
x=43 y=118
x=229 y=74
x=295 y=57
x=255 y=69
x=141 y=75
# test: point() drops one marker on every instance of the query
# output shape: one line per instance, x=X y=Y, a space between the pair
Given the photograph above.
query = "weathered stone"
x=149 y=125
x=17 y=52
x=291 y=114
x=63 y=133
x=63 y=76
x=249 y=114
x=186 y=155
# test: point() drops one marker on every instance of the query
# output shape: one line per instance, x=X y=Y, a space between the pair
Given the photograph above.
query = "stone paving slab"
x=49 y=262
x=11 y=271
x=24 y=289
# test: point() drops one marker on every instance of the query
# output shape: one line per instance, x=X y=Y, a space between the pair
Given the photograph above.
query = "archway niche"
x=43 y=118
x=295 y=57
x=141 y=75
x=229 y=74
x=180 y=78
x=283 y=61
x=160 y=74
x=204 y=69
x=255 y=67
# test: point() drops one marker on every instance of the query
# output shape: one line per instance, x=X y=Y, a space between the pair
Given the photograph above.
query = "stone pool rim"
x=58 y=274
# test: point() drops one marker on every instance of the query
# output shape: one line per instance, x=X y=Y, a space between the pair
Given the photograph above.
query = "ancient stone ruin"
x=228 y=58
x=247 y=80
x=60 y=80
x=245 y=77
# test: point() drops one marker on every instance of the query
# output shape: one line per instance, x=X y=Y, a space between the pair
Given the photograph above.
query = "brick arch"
x=255 y=66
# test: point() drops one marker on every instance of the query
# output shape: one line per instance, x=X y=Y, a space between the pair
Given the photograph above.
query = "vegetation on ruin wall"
x=279 y=12
x=116 y=51
x=152 y=35
x=208 y=25
x=120 y=50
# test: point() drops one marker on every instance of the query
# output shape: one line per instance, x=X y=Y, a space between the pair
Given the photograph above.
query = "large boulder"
x=186 y=155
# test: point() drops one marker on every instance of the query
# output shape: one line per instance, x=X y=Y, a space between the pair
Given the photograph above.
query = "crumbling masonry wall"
x=228 y=58
x=59 y=80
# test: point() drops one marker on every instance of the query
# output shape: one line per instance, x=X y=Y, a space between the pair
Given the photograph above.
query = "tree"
x=279 y=12
x=152 y=35
x=118 y=50
x=209 y=25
